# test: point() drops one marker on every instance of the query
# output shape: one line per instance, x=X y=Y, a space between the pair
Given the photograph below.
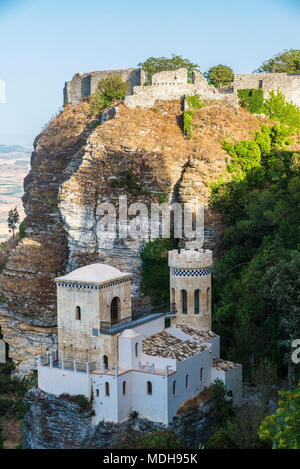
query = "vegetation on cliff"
x=12 y=405
x=109 y=90
x=282 y=428
x=256 y=284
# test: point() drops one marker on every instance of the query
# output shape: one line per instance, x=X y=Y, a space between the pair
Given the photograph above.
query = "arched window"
x=187 y=381
x=184 y=301
x=105 y=362
x=149 y=387
x=78 y=313
x=201 y=375
x=196 y=301
x=136 y=349
x=207 y=299
x=174 y=388
x=107 y=389
x=115 y=309
x=124 y=388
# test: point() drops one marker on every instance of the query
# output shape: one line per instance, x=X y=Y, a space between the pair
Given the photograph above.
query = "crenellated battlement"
x=190 y=259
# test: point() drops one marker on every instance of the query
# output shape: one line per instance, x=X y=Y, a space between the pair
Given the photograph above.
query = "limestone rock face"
x=55 y=423
x=73 y=168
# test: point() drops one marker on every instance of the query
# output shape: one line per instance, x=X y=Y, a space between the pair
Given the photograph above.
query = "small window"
x=124 y=388
x=105 y=361
x=97 y=392
x=95 y=332
x=196 y=302
x=107 y=390
x=174 y=388
x=78 y=313
x=136 y=349
x=187 y=381
x=184 y=301
x=201 y=375
x=149 y=387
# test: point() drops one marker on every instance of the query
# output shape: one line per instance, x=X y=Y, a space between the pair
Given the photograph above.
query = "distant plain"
x=14 y=166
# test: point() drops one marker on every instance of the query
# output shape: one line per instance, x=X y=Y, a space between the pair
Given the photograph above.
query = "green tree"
x=287 y=61
x=109 y=89
x=282 y=428
x=219 y=75
x=279 y=109
x=13 y=220
x=159 y=64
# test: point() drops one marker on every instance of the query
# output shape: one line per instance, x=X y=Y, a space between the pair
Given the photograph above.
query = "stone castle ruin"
x=171 y=85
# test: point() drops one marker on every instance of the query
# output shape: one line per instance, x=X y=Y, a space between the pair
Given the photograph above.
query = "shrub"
x=252 y=100
x=195 y=101
x=22 y=232
x=282 y=428
x=280 y=110
x=80 y=400
x=155 y=274
x=188 y=123
x=130 y=183
x=159 y=439
x=109 y=89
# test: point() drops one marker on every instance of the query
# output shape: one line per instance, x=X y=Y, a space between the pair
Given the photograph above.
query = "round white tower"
x=190 y=286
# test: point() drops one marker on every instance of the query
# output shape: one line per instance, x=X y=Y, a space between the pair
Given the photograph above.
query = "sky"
x=44 y=43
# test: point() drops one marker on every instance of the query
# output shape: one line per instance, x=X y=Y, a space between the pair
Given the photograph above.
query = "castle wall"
x=83 y=85
x=288 y=83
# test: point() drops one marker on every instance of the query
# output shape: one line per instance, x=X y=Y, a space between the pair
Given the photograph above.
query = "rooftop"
x=197 y=334
x=223 y=365
x=94 y=273
x=166 y=346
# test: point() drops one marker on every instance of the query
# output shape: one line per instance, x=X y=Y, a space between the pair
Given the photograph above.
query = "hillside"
x=72 y=169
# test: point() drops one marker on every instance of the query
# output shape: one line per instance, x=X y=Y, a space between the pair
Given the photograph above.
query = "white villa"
x=150 y=362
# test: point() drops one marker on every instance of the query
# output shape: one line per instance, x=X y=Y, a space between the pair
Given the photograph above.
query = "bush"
x=109 y=90
x=195 y=101
x=252 y=100
x=130 y=183
x=155 y=274
x=159 y=439
x=282 y=111
x=22 y=232
x=80 y=400
x=188 y=123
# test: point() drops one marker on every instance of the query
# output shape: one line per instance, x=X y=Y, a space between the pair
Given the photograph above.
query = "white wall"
x=57 y=381
x=151 y=327
x=127 y=356
x=190 y=366
x=233 y=380
x=153 y=407
x=106 y=407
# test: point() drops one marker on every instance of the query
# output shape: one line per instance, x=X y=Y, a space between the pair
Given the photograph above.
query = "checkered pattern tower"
x=190 y=286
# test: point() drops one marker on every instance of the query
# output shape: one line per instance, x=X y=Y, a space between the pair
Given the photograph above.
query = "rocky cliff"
x=73 y=167
x=55 y=423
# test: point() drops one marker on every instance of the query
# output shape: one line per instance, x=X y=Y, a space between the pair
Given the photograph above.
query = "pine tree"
x=13 y=220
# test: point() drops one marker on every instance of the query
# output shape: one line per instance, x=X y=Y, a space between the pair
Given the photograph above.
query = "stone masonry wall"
x=288 y=83
x=82 y=86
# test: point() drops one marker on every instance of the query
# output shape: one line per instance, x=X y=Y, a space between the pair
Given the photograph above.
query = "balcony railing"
x=161 y=309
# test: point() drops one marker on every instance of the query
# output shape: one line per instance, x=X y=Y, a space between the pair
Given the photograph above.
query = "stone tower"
x=190 y=286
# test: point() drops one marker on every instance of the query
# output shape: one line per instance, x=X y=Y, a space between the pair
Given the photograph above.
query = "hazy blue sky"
x=43 y=43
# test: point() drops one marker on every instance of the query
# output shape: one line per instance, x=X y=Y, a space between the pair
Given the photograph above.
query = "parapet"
x=190 y=259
